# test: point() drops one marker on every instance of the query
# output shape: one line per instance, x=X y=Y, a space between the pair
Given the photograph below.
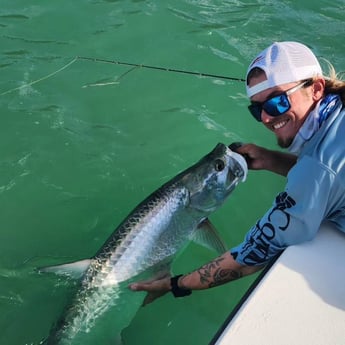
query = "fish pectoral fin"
x=72 y=269
x=152 y=296
x=207 y=236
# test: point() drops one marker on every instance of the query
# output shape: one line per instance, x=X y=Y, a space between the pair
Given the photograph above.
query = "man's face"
x=287 y=125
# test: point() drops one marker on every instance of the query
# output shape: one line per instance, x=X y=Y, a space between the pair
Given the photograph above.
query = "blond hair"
x=334 y=82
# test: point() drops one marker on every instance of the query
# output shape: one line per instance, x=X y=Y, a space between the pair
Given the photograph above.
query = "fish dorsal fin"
x=207 y=236
x=73 y=269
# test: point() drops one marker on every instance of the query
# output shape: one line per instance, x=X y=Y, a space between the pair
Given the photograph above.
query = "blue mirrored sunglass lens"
x=277 y=105
x=274 y=106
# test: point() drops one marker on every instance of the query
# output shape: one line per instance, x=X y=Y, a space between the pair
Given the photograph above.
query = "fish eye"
x=219 y=165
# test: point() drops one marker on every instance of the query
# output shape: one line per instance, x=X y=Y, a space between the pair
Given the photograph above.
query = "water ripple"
x=205 y=117
x=14 y=16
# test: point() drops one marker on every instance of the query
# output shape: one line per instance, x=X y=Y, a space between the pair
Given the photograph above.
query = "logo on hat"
x=259 y=58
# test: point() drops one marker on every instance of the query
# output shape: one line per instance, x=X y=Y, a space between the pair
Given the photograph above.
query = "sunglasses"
x=277 y=105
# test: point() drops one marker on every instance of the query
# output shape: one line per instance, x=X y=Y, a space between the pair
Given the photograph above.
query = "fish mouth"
x=241 y=162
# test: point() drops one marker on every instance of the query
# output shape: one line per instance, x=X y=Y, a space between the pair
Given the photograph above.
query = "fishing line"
x=41 y=79
x=110 y=82
x=115 y=62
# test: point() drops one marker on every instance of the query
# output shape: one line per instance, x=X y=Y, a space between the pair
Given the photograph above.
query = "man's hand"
x=258 y=158
x=156 y=288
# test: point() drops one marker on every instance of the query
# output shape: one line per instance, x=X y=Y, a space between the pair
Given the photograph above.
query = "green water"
x=76 y=157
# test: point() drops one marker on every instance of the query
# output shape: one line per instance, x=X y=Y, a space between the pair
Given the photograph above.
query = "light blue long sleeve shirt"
x=315 y=192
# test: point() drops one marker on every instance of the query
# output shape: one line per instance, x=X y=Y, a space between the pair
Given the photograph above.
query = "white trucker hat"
x=284 y=62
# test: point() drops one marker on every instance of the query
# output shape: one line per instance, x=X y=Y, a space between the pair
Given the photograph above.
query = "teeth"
x=279 y=125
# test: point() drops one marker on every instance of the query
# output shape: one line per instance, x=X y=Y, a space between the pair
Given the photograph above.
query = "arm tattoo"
x=213 y=275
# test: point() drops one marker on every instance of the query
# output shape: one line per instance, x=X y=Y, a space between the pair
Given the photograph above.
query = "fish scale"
x=142 y=241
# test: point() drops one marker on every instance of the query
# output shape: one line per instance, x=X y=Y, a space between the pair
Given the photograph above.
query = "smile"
x=279 y=125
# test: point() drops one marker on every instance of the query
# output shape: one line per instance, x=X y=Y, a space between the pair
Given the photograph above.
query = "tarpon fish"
x=143 y=246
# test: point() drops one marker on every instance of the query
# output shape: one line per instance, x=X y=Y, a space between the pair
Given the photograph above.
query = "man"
x=305 y=110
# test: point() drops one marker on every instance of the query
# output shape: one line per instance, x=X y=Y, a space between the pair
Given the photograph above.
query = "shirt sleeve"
x=295 y=216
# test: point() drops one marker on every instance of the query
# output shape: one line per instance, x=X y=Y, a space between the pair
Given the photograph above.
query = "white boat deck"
x=299 y=301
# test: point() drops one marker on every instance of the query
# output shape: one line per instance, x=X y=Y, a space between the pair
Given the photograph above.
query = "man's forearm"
x=280 y=162
x=219 y=271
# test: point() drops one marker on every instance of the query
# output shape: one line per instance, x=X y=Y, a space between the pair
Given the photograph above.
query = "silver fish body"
x=145 y=244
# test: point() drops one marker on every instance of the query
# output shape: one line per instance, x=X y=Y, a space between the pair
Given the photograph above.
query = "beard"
x=284 y=142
